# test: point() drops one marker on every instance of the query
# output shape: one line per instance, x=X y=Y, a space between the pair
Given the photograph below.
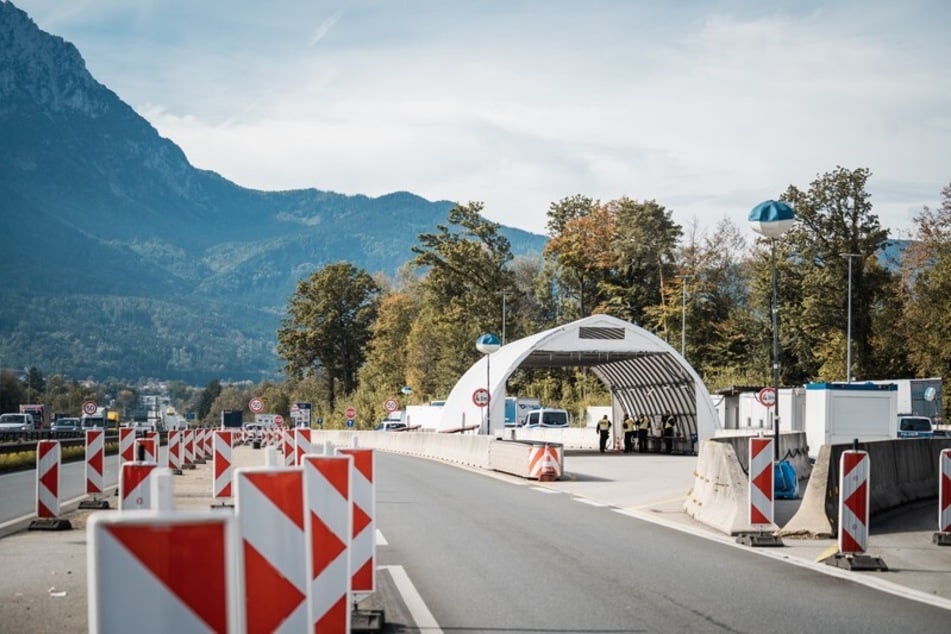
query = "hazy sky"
x=707 y=107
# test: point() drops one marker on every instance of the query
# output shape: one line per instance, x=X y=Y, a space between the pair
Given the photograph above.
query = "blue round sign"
x=349 y=422
x=488 y=343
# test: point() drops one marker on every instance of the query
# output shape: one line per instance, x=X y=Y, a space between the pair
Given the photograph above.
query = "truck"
x=40 y=418
x=517 y=408
x=838 y=413
x=104 y=418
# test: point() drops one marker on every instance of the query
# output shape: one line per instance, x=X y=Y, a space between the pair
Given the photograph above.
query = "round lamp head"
x=488 y=343
x=772 y=218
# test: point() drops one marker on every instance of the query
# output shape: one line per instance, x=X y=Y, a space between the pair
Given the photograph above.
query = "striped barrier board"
x=147 y=449
x=95 y=453
x=126 y=444
x=288 y=448
x=198 y=446
x=761 y=504
x=854 y=488
x=175 y=451
x=153 y=573
x=135 y=486
x=302 y=444
x=363 y=548
x=328 y=527
x=208 y=440
x=269 y=508
x=221 y=464
x=943 y=536
x=48 y=460
x=545 y=463
x=188 y=449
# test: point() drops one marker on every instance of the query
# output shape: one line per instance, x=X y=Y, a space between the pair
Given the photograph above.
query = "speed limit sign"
x=89 y=408
x=256 y=405
x=391 y=405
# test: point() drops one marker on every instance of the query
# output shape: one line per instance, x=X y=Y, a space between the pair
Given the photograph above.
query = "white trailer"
x=838 y=413
x=921 y=397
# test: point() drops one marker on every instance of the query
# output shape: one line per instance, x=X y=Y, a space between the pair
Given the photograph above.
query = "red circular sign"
x=278 y=419
x=766 y=397
x=391 y=405
x=481 y=397
x=256 y=405
x=351 y=413
x=89 y=408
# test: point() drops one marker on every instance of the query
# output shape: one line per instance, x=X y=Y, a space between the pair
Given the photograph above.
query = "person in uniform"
x=670 y=424
x=630 y=429
x=643 y=427
x=604 y=430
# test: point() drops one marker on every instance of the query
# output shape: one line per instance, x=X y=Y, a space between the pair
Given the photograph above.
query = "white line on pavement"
x=422 y=617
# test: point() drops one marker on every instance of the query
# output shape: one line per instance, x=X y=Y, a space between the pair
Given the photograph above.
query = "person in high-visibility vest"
x=643 y=426
x=604 y=430
x=629 y=430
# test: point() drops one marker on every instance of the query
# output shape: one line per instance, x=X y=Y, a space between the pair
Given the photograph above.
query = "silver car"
x=16 y=422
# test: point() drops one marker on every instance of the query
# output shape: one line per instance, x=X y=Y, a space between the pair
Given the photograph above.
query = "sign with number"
x=391 y=405
x=351 y=413
x=481 y=397
x=89 y=408
x=256 y=405
x=766 y=397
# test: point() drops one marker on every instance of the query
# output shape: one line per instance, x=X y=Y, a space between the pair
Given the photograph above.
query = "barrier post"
x=854 y=490
x=302 y=444
x=135 y=486
x=272 y=572
x=328 y=528
x=943 y=536
x=150 y=449
x=290 y=455
x=188 y=449
x=363 y=547
x=198 y=446
x=48 y=460
x=221 y=467
x=95 y=455
x=126 y=444
x=760 y=495
x=152 y=573
x=175 y=452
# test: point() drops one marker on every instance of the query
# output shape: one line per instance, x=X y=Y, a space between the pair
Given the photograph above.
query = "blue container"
x=785 y=482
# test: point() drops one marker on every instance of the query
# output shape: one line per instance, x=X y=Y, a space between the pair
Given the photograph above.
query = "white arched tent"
x=643 y=373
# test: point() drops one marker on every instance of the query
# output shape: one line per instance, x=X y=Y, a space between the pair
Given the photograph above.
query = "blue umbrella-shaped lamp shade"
x=488 y=343
x=772 y=218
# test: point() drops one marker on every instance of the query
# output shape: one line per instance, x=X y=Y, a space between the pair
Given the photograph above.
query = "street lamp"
x=772 y=219
x=487 y=344
x=848 y=336
x=504 y=295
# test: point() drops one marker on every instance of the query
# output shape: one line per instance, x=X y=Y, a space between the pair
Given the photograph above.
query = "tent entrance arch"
x=643 y=373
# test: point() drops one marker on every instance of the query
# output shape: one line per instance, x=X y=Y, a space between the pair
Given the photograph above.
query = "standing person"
x=669 y=423
x=643 y=426
x=629 y=430
x=604 y=429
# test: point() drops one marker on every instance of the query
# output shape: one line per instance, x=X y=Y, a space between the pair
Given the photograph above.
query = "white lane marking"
x=380 y=540
x=590 y=502
x=544 y=490
x=422 y=617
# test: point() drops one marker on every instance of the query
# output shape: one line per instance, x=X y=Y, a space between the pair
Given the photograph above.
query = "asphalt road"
x=491 y=554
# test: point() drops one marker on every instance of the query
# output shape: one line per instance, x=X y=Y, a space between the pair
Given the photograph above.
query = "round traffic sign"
x=256 y=405
x=766 y=397
x=278 y=419
x=89 y=408
x=391 y=405
x=351 y=413
x=481 y=397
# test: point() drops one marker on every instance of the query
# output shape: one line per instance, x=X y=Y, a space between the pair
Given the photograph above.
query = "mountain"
x=120 y=259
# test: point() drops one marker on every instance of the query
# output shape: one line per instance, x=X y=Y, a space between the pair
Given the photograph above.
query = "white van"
x=546 y=417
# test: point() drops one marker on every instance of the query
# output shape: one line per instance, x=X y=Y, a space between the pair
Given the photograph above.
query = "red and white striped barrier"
x=221 y=464
x=198 y=446
x=158 y=573
x=944 y=491
x=188 y=449
x=290 y=455
x=302 y=444
x=147 y=449
x=853 y=501
x=328 y=526
x=95 y=453
x=363 y=548
x=761 y=504
x=545 y=463
x=135 y=486
x=48 y=459
x=208 y=443
x=269 y=508
x=126 y=444
x=175 y=451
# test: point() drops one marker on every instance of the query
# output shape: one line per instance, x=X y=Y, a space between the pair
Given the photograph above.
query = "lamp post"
x=504 y=295
x=772 y=219
x=487 y=344
x=848 y=335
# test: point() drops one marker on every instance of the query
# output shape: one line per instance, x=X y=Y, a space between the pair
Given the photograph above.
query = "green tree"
x=328 y=326
x=207 y=399
x=927 y=282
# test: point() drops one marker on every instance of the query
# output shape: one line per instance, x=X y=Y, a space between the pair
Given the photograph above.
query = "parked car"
x=915 y=427
x=390 y=425
x=547 y=418
x=16 y=422
x=66 y=425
